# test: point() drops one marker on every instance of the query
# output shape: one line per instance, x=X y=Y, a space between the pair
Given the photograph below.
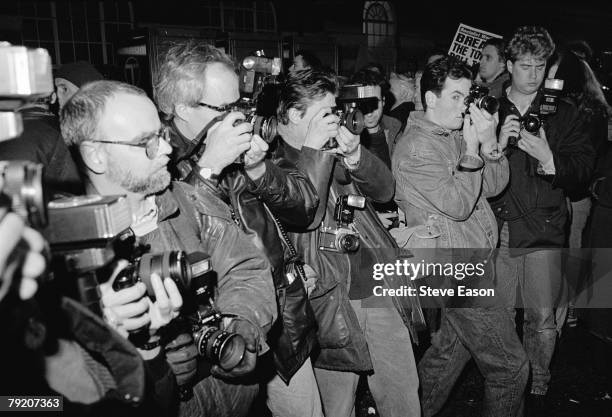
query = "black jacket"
x=372 y=179
x=534 y=205
x=41 y=142
x=293 y=200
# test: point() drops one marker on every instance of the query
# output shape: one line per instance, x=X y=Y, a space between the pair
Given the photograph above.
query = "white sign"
x=467 y=44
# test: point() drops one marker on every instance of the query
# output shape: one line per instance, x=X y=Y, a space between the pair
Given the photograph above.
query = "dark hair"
x=534 y=40
x=368 y=76
x=580 y=84
x=301 y=88
x=310 y=59
x=500 y=45
x=437 y=72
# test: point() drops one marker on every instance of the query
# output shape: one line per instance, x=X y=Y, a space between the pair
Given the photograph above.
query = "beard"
x=128 y=180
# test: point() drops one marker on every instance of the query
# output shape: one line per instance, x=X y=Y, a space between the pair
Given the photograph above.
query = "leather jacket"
x=371 y=178
x=292 y=199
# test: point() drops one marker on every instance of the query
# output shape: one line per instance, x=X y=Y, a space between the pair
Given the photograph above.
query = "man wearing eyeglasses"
x=124 y=150
x=196 y=87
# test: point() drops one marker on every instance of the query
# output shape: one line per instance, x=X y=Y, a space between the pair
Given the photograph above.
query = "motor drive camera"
x=342 y=238
x=479 y=95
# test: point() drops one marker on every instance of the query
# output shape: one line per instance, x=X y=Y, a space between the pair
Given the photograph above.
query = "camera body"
x=531 y=122
x=479 y=95
x=266 y=127
x=342 y=238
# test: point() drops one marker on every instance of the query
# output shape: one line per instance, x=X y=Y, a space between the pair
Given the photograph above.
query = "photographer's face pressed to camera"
x=220 y=88
x=527 y=73
x=129 y=118
x=447 y=109
x=315 y=105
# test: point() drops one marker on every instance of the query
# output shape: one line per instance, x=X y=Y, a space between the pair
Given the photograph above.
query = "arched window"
x=378 y=23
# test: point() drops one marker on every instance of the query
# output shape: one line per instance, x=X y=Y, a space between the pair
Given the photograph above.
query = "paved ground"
x=581 y=383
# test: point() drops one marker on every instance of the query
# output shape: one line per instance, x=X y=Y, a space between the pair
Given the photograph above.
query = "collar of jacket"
x=534 y=107
x=182 y=147
x=166 y=204
x=284 y=150
x=120 y=357
x=418 y=119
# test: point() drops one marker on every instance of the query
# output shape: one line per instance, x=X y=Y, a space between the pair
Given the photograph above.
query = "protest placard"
x=468 y=42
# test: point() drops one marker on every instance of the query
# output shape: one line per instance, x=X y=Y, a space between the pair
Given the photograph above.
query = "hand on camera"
x=485 y=124
x=536 y=146
x=254 y=158
x=14 y=232
x=130 y=309
x=348 y=145
x=181 y=355
x=226 y=142
x=322 y=127
x=250 y=334
x=510 y=129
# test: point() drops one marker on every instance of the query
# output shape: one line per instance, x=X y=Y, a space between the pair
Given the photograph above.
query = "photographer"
x=64 y=349
x=438 y=195
x=124 y=150
x=196 y=88
x=532 y=212
x=306 y=126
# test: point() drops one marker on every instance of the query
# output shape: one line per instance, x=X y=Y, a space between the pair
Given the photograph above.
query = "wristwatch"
x=208 y=174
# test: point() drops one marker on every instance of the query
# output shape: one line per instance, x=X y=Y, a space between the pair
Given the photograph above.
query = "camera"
x=87 y=234
x=24 y=191
x=550 y=96
x=343 y=237
x=217 y=346
x=531 y=122
x=266 y=127
x=354 y=101
x=479 y=95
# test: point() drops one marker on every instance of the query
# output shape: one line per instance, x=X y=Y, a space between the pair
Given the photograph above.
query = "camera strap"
x=198 y=149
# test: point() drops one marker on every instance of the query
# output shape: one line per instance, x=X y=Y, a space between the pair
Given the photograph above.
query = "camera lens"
x=23 y=183
x=354 y=122
x=348 y=242
x=531 y=124
x=172 y=264
x=220 y=347
x=488 y=103
x=266 y=127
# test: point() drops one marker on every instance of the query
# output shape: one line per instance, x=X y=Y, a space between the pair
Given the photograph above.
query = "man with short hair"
x=532 y=211
x=354 y=338
x=492 y=70
x=124 y=149
x=445 y=166
x=381 y=131
x=196 y=89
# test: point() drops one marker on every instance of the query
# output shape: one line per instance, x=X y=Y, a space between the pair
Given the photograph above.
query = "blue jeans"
x=215 y=397
x=488 y=336
x=394 y=383
x=539 y=277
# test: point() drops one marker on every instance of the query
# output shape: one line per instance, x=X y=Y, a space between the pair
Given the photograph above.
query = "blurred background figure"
x=70 y=77
x=305 y=59
x=403 y=90
x=492 y=70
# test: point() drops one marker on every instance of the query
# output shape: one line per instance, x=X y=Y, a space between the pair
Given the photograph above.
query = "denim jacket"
x=430 y=188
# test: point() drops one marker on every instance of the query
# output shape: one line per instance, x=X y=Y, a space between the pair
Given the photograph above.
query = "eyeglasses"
x=149 y=142
x=222 y=109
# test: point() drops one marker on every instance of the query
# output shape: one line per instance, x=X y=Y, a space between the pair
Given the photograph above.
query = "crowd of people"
x=431 y=169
